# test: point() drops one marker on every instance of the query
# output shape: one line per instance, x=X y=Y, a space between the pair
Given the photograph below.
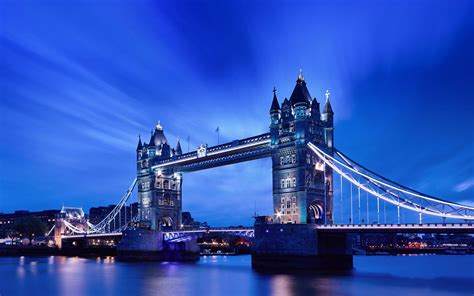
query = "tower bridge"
x=306 y=166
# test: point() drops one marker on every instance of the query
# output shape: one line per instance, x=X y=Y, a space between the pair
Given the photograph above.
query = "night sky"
x=80 y=80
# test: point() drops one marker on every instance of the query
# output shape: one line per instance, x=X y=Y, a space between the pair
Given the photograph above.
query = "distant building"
x=7 y=221
x=187 y=222
x=97 y=214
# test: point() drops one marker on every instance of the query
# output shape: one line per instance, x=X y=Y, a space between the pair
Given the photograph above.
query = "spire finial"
x=300 y=75
x=274 y=90
x=158 y=126
x=327 y=94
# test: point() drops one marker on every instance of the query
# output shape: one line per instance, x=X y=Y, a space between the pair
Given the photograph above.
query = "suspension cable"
x=405 y=204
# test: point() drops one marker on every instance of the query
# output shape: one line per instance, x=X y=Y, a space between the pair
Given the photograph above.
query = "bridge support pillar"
x=286 y=247
x=148 y=245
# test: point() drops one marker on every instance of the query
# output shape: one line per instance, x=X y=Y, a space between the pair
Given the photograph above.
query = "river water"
x=232 y=275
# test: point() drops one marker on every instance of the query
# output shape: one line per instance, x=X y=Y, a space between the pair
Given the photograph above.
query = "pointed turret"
x=327 y=106
x=139 y=146
x=315 y=109
x=286 y=111
x=178 y=148
x=151 y=143
x=300 y=93
x=328 y=120
x=275 y=105
x=158 y=137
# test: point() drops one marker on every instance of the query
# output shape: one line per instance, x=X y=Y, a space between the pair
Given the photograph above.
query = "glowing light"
x=320 y=166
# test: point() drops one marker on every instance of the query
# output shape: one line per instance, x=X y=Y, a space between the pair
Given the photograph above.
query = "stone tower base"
x=148 y=245
x=293 y=247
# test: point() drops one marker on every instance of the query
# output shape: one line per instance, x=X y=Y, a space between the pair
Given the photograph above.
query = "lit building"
x=7 y=221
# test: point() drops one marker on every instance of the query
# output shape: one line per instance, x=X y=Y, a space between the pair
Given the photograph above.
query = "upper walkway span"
x=228 y=153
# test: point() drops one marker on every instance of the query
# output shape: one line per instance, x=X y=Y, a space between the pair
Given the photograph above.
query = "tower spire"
x=178 y=148
x=275 y=105
x=158 y=126
x=327 y=105
x=300 y=75
x=139 y=146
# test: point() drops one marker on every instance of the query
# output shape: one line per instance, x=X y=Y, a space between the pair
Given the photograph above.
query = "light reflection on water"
x=228 y=275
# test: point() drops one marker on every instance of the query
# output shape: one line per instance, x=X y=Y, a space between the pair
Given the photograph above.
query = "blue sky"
x=80 y=80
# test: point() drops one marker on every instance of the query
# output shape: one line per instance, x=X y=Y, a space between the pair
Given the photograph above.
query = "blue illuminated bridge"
x=308 y=172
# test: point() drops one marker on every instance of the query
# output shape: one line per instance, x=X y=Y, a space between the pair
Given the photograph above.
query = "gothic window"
x=158 y=184
x=167 y=200
x=282 y=200
x=288 y=204
x=288 y=183
x=294 y=198
x=287 y=159
x=282 y=162
x=293 y=158
x=166 y=184
x=174 y=186
x=282 y=183
x=294 y=182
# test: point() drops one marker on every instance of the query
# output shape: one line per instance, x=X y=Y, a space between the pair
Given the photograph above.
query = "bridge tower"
x=159 y=191
x=302 y=185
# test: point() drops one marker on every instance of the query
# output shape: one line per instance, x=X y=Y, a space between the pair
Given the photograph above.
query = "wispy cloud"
x=463 y=186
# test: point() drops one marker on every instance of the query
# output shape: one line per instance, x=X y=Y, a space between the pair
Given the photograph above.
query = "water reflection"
x=212 y=275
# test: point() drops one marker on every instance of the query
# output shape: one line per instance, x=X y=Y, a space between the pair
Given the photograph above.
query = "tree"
x=29 y=227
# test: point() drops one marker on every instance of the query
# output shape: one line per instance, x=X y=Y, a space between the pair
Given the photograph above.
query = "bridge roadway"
x=458 y=228
x=174 y=235
x=466 y=228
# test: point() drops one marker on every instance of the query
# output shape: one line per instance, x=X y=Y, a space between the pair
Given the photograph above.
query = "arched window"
x=288 y=183
x=166 y=184
x=167 y=199
x=288 y=204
